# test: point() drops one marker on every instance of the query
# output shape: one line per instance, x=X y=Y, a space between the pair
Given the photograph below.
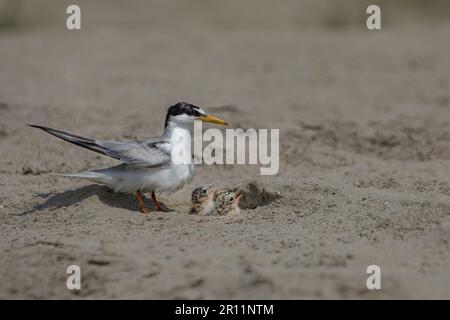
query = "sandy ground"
x=364 y=159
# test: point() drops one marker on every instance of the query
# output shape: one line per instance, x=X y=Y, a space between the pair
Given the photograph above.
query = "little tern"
x=203 y=201
x=147 y=165
x=227 y=202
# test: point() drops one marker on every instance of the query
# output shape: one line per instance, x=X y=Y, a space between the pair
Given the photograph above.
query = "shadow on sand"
x=73 y=197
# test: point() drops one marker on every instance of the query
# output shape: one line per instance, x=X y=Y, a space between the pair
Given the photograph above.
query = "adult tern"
x=147 y=165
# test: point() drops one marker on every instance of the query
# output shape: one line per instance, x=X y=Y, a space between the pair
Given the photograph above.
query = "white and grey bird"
x=203 y=201
x=227 y=202
x=147 y=165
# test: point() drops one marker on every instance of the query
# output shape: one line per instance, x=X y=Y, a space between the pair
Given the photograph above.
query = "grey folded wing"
x=138 y=154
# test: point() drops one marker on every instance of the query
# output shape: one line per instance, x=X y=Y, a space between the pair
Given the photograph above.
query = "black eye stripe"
x=184 y=108
x=194 y=112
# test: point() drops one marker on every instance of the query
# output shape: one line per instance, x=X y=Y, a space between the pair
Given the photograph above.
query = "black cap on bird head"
x=184 y=112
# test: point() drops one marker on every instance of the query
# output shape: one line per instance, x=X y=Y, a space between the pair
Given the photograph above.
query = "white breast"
x=181 y=170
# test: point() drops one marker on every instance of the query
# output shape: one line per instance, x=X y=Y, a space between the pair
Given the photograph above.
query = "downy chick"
x=227 y=203
x=203 y=201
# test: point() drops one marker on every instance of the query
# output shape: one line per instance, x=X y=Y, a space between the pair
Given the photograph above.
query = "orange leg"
x=140 y=202
x=158 y=205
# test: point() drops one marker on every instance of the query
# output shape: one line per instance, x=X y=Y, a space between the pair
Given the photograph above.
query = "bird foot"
x=144 y=209
x=141 y=204
x=158 y=204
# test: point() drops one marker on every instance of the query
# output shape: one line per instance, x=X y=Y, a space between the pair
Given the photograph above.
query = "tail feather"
x=93 y=176
x=75 y=139
x=84 y=174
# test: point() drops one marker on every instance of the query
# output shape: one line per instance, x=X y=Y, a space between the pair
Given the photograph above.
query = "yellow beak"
x=213 y=119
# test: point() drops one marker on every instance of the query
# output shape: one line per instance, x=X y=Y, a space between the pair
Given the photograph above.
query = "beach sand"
x=364 y=119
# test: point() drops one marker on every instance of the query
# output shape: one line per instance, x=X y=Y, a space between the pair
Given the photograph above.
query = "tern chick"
x=227 y=202
x=203 y=201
